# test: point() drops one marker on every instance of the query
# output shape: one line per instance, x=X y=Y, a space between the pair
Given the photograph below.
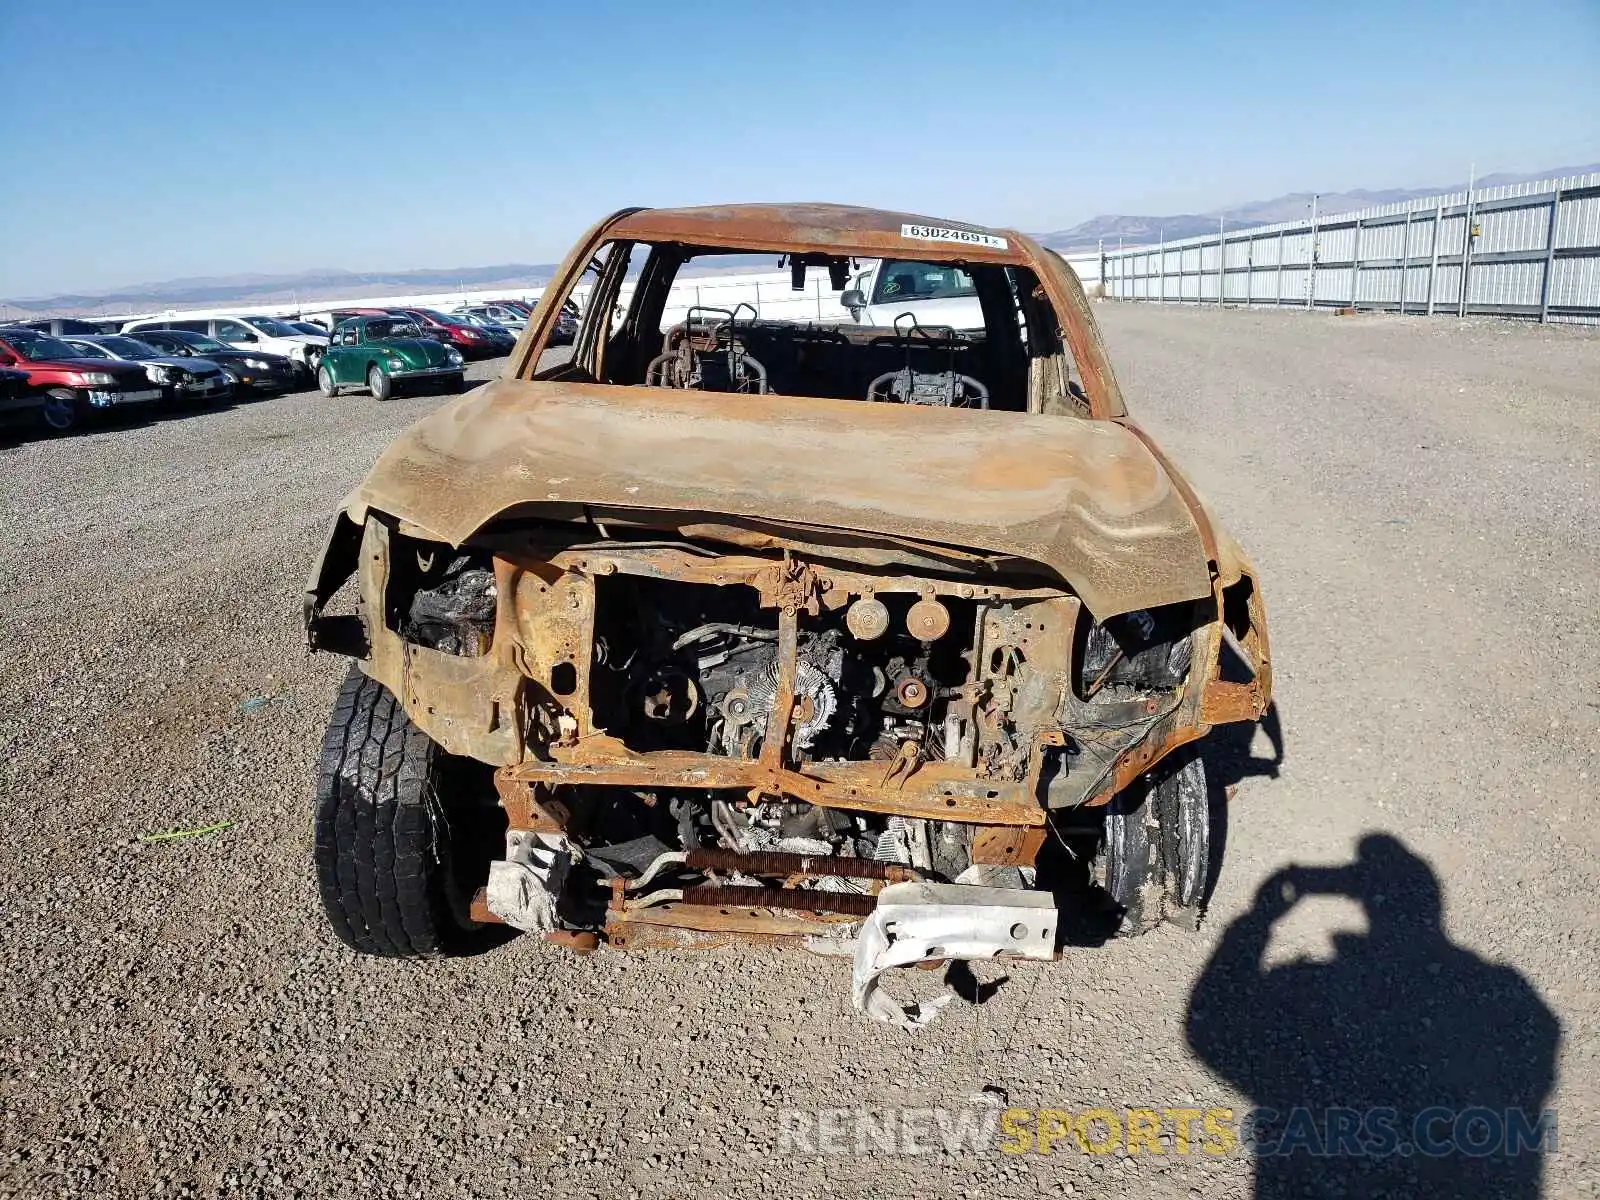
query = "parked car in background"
x=481 y=322
x=566 y=320
x=566 y=324
x=310 y=327
x=247 y=332
x=254 y=372
x=73 y=386
x=933 y=293
x=20 y=402
x=60 y=326
x=469 y=339
x=383 y=354
x=513 y=319
x=192 y=380
x=330 y=318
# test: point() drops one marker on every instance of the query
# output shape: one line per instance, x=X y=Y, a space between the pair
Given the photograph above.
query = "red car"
x=472 y=341
x=74 y=386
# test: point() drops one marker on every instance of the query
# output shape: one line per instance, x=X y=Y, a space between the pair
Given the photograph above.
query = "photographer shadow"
x=1404 y=1066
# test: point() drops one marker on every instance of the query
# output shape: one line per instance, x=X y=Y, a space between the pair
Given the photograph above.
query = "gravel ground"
x=1421 y=498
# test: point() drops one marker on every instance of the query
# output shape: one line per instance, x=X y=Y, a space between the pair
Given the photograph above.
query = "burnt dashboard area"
x=727 y=350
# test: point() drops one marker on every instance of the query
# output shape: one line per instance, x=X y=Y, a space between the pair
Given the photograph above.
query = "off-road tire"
x=379 y=384
x=325 y=383
x=1156 y=856
x=390 y=834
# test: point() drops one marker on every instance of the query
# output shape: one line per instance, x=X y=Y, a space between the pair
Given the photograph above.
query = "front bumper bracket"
x=929 y=922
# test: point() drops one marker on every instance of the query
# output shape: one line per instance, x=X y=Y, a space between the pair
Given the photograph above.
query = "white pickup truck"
x=933 y=293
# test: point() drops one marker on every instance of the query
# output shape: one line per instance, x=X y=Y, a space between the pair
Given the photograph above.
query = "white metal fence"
x=1527 y=250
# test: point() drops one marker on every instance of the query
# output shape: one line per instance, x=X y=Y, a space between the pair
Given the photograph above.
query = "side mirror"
x=853 y=299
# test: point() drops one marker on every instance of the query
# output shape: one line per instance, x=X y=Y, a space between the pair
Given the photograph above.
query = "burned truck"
x=731 y=627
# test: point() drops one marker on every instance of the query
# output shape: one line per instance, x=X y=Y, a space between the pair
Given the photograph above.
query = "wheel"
x=325 y=382
x=400 y=847
x=379 y=384
x=454 y=384
x=61 y=411
x=1155 y=859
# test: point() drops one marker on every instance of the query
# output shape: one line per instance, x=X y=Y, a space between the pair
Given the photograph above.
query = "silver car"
x=193 y=379
x=500 y=315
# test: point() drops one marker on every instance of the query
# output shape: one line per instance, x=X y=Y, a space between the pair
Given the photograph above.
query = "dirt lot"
x=1423 y=501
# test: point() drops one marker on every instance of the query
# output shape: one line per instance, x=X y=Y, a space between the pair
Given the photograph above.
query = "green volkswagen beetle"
x=381 y=354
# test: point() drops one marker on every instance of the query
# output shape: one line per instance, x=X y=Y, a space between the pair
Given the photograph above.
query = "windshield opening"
x=127 y=347
x=392 y=329
x=953 y=334
x=272 y=328
x=42 y=349
x=899 y=281
x=440 y=318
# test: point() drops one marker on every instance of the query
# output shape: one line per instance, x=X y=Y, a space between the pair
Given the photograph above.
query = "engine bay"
x=679 y=702
x=686 y=667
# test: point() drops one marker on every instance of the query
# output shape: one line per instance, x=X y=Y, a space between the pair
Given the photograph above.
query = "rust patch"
x=770 y=863
x=1007 y=847
x=789 y=899
x=665 y=922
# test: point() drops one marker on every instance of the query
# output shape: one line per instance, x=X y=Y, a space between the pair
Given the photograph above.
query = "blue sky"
x=163 y=140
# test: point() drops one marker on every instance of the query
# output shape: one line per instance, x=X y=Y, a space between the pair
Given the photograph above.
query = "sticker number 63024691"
x=941 y=233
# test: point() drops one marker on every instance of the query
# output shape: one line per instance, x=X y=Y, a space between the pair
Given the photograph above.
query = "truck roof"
x=837 y=229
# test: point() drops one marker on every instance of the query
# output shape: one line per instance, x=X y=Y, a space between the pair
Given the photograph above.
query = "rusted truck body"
x=762 y=629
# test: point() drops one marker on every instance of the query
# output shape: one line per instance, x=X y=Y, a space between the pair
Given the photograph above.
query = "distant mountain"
x=322 y=283
x=331 y=283
x=1134 y=231
x=302 y=289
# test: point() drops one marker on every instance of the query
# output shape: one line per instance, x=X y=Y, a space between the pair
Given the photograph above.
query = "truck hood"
x=233 y=357
x=193 y=365
x=415 y=352
x=127 y=372
x=1085 y=499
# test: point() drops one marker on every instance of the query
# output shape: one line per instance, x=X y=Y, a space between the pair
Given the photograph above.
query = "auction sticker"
x=940 y=233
